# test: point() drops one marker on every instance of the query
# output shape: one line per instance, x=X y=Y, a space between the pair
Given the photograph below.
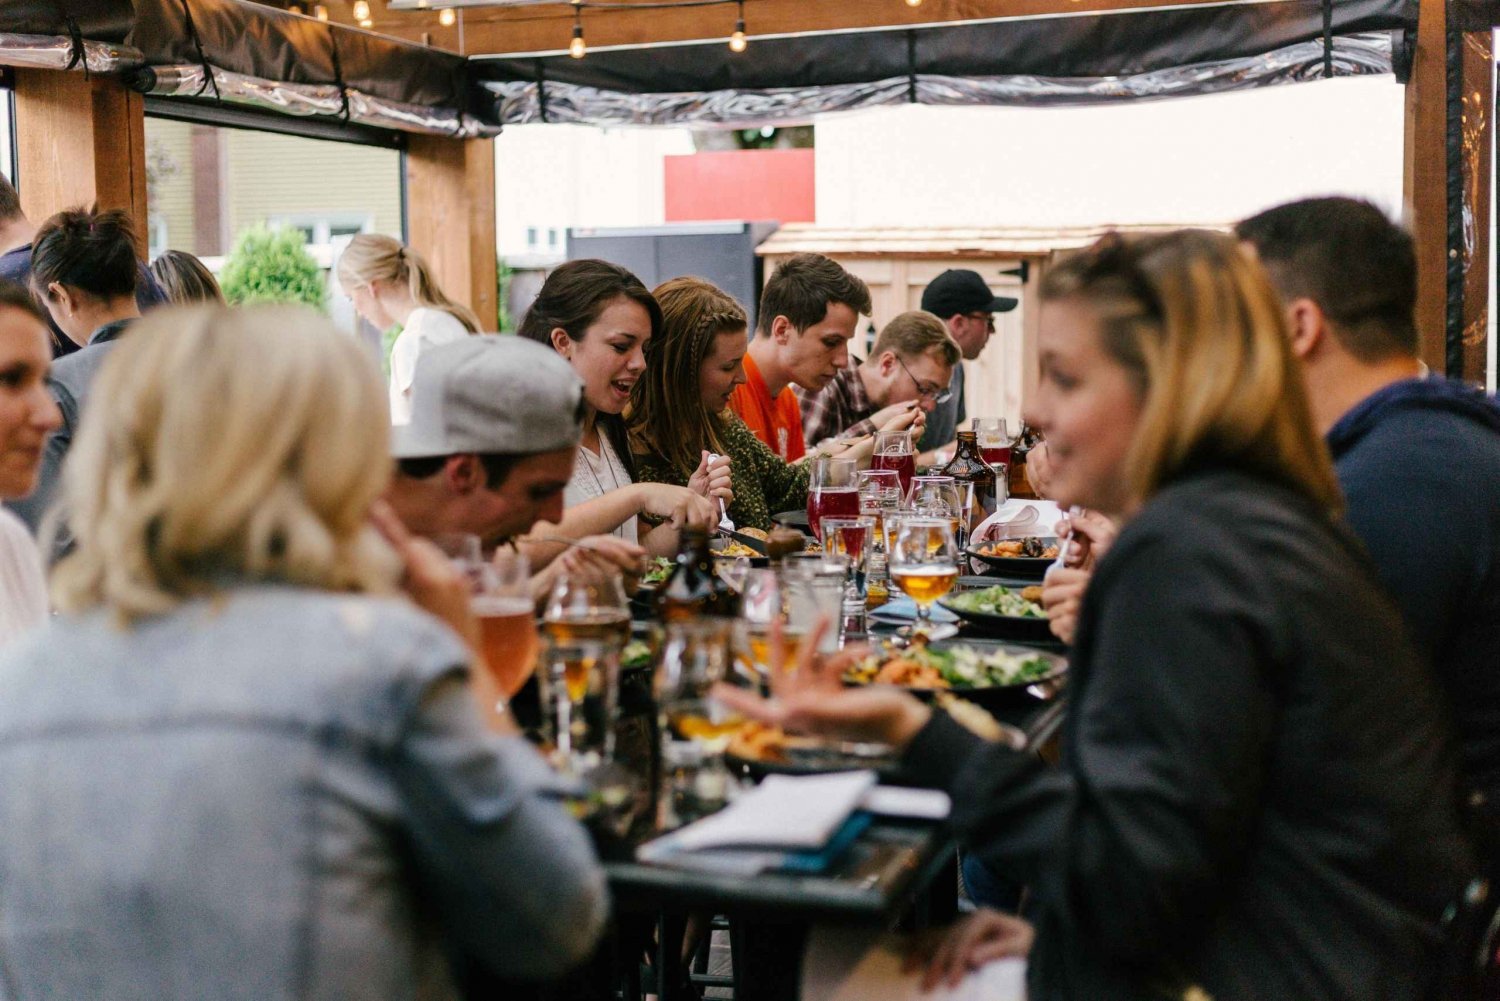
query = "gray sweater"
x=279 y=794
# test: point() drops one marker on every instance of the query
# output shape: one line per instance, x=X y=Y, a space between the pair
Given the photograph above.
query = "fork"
x=1065 y=544
x=726 y=523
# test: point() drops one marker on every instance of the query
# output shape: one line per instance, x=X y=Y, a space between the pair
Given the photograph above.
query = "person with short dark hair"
x=490 y=449
x=1418 y=458
x=185 y=279
x=963 y=301
x=84 y=269
x=16 y=236
x=905 y=378
x=808 y=312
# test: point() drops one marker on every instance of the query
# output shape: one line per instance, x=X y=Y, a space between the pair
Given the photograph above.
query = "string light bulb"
x=576 y=48
x=447 y=18
x=913 y=3
x=320 y=12
x=361 y=11
x=737 y=41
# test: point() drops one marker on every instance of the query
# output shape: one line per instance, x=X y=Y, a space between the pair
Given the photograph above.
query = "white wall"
x=1209 y=159
x=556 y=176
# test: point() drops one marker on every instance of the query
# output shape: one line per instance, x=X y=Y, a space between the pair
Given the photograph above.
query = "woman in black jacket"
x=1256 y=792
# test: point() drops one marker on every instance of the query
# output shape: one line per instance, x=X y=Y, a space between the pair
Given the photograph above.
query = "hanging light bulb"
x=361 y=10
x=913 y=3
x=320 y=12
x=737 y=41
x=576 y=48
x=447 y=18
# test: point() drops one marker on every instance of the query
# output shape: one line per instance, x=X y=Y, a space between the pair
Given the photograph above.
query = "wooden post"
x=1426 y=178
x=82 y=143
x=450 y=207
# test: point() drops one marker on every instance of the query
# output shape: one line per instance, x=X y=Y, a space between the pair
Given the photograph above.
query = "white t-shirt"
x=424 y=329
x=594 y=475
x=23 y=586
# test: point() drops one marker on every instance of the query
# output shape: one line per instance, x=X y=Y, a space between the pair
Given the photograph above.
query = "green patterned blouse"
x=763 y=484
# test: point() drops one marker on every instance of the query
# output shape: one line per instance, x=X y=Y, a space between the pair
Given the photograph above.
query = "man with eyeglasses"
x=905 y=377
x=962 y=300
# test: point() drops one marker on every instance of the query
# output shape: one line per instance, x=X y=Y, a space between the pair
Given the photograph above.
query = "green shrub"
x=267 y=266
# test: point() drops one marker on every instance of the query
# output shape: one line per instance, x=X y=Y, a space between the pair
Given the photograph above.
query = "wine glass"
x=831 y=492
x=894 y=450
x=854 y=538
x=587 y=624
x=695 y=728
x=764 y=604
x=924 y=565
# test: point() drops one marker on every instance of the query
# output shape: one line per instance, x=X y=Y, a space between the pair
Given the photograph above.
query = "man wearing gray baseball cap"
x=489 y=449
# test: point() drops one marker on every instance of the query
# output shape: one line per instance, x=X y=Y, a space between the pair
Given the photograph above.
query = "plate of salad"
x=981 y=671
x=1013 y=612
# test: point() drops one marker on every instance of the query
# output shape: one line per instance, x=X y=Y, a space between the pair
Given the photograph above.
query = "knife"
x=751 y=541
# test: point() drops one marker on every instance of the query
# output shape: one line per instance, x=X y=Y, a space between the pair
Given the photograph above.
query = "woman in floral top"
x=679 y=412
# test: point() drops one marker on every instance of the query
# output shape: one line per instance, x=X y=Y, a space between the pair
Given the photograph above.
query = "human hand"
x=712 y=479
x=812 y=698
x=899 y=417
x=979 y=938
x=677 y=506
x=1062 y=597
x=431 y=580
x=1091 y=536
x=597 y=556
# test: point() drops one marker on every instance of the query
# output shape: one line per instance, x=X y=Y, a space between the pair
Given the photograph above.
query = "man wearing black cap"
x=962 y=300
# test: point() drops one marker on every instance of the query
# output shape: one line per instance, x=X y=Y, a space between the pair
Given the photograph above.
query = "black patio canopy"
x=1067 y=59
x=248 y=53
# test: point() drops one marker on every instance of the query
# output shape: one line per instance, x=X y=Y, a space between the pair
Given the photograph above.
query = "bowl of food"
x=1026 y=558
x=993 y=675
x=1008 y=612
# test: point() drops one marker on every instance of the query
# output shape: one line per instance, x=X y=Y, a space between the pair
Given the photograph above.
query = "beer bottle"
x=693 y=588
x=974 y=478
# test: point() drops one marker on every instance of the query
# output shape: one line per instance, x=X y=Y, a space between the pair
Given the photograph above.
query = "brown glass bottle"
x=974 y=477
x=693 y=589
x=1020 y=486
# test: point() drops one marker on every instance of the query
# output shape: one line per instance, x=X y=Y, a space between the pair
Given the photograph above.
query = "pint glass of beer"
x=507 y=623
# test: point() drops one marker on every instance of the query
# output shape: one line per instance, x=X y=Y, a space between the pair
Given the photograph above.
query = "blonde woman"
x=240 y=760
x=185 y=279
x=1256 y=796
x=390 y=284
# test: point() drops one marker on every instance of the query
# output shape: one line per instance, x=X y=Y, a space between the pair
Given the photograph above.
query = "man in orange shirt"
x=808 y=312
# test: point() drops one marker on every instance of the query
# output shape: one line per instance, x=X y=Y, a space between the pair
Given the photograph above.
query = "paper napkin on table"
x=843 y=964
x=784 y=813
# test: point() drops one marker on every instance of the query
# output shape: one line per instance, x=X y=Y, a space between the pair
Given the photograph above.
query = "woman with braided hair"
x=679 y=411
x=390 y=284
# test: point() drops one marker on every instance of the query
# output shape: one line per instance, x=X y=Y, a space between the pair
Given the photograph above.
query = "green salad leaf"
x=658 y=571
x=996 y=601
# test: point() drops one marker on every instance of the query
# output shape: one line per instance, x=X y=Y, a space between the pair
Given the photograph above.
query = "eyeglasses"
x=987 y=318
x=937 y=394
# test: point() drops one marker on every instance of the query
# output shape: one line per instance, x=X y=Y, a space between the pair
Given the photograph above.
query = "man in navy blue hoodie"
x=1418 y=457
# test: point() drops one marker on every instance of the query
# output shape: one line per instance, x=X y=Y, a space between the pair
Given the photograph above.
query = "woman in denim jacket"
x=240 y=764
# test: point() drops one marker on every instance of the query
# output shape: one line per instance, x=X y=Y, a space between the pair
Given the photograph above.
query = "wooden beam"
x=548 y=27
x=450 y=210
x=1477 y=123
x=1425 y=179
x=82 y=142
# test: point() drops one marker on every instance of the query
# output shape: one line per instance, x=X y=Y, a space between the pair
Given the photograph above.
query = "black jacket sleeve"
x=1128 y=840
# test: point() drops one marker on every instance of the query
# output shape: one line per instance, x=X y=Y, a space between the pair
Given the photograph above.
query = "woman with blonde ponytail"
x=390 y=284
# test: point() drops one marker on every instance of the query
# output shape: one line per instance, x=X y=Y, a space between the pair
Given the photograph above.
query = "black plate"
x=793 y=519
x=818 y=761
x=994 y=697
x=1024 y=567
x=1017 y=627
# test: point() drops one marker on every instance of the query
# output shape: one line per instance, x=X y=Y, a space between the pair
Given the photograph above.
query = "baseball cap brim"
x=1004 y=304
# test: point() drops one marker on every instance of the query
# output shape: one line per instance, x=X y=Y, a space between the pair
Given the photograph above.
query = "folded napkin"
x=903 y=610
x=1016 y=519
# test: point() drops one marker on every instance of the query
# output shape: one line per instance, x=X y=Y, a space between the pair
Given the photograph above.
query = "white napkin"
x=844 y=964
x=783 y=812
x=1019 y=518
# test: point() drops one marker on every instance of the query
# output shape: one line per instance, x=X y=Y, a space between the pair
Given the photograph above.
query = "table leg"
x=767 y=960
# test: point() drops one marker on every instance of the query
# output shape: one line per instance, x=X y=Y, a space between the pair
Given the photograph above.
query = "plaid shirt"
x=840 y=409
